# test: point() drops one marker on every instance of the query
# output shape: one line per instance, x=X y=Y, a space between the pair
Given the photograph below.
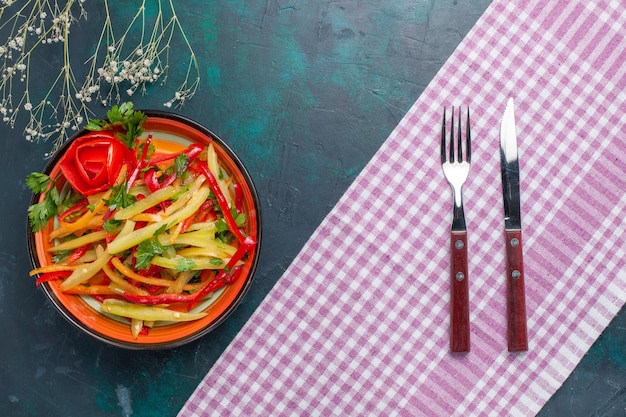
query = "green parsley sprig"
x=147 y=250
x=40 y=213
x=124 y=116
x=185 y=264
x=120 y=198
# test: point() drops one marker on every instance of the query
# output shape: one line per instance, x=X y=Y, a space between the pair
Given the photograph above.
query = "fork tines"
x=468 y=144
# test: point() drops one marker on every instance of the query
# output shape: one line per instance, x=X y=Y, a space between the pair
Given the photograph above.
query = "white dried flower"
x=121 y=66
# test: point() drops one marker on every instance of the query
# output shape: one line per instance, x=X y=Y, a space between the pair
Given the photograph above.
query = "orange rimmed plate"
x=170 y=133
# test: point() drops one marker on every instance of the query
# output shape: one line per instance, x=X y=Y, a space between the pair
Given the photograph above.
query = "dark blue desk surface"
x=305 y=92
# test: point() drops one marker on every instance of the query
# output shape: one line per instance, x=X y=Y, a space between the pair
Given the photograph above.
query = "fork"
x=456 y=170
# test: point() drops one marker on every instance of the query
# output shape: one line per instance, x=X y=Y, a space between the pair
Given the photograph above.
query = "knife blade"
x=517 y=333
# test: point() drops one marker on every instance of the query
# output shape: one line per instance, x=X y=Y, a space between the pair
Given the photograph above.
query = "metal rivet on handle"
x=460 y=276
x=515 y=242
x=459 y=244
x=516 y=274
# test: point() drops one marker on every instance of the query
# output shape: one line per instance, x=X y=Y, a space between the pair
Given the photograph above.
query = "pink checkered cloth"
x=358 y=324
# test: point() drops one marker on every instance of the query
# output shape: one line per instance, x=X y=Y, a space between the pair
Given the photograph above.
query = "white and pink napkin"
x=359 y=323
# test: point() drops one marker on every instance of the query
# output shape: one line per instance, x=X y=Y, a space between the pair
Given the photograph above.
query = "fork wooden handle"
x=459 y=296
x=515 y=293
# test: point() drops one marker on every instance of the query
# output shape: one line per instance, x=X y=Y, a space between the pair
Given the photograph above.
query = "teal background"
x=305 y=92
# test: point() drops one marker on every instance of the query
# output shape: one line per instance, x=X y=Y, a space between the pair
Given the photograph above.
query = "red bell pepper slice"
x=221 y=280
x=238 y=198
x=150 y=177
x=187 y=222
x=52 y=276
x=78 y=253
x=221 y=201
x=215 y=284
x=152 y=182
x=74 y=209
x=204 y=214
x=141 y=163
x=191 y=152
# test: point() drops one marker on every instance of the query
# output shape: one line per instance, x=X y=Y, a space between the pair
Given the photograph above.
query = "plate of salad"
x=144 y=229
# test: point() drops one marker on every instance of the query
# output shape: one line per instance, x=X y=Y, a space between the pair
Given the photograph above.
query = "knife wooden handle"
x=459 y=297
x=515 y=294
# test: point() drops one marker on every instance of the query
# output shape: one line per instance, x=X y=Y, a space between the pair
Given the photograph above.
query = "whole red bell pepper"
x=93 y=162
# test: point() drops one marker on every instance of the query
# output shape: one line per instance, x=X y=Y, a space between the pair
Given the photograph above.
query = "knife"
x=515 y=294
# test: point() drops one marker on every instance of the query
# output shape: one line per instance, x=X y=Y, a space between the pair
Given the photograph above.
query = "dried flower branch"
x=118 y=65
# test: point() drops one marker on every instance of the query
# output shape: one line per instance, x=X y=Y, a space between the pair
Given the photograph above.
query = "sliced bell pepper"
x=201 y=216
x=221 y=201
x=78 y=253
x=191 y=152
x=238 y=198
x=227 y=276
x=152 y=182
x=141 y=163
x=52 y=276
x=151 y=176
x=74 y=209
